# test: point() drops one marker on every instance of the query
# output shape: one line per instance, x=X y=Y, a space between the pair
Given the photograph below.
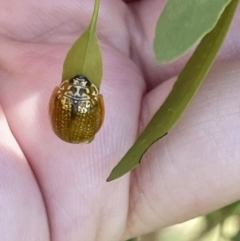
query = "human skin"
x=52 y=190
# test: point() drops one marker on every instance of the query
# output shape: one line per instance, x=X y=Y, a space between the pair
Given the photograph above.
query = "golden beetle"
x=76 y=110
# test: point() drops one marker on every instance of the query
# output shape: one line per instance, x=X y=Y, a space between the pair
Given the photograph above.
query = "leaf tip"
x=112 y=176
x=109 y=179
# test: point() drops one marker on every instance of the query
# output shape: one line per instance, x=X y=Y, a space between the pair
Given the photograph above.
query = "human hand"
x=52 y=190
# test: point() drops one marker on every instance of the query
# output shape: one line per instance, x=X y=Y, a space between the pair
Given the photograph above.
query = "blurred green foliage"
x=220 y=225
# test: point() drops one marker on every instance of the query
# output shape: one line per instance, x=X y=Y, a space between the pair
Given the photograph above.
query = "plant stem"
x=93 y=24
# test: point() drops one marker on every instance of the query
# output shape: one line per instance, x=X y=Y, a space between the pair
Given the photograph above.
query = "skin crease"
x=51 y=190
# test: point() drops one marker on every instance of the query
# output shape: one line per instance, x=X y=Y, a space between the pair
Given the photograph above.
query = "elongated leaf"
x=84 y=57
x=185 y=87
x=183 y=23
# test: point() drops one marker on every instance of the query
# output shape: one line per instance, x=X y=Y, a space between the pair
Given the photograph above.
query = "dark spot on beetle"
x=80 y=76
x=73 y=89
x=71 y=80
x=74 y=110
x=82 y=92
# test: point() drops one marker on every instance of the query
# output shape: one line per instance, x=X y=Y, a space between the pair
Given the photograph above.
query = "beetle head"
x=80 y=80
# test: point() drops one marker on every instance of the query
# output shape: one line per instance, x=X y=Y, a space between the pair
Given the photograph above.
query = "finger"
x=81 y=205
x=23 y=215
x=195 y=168
x=61 y=22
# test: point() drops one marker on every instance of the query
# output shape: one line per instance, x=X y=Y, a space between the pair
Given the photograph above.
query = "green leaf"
x=84 y=57
x=183 y=91
x=218 y=217
x=183 y=23
x=236 y=237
